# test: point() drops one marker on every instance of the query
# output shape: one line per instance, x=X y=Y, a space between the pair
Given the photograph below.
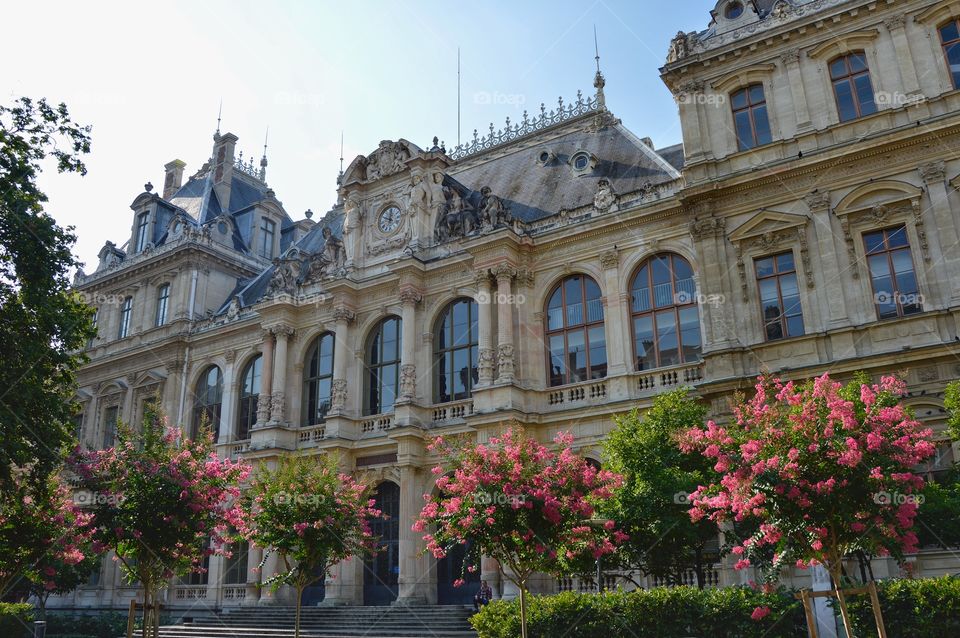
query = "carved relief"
x=329 y=261
x=493 y=212
x=610 y=258
x=605 y=197
x=456 y=217
x=485 y=364
x=933 y=172
x=408 y=381
x=707 y=227
x=338 y=394
x=505 y=361
x=388 y=159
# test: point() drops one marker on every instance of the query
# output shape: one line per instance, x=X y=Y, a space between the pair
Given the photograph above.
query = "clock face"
x=389 y=219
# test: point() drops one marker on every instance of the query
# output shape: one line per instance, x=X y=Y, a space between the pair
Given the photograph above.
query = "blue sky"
x=150 y=80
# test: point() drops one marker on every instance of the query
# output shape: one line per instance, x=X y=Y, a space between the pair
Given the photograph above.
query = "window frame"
x=777 y=276
x=163 y=302
x=892 y=272
x=652 y=312
x=371 y=371
x=268 y=229
x=213 y=409
x=443 y=322
x=249 y=402
x=750 y=110
x=109 y=426
x=126 y=315
x=141 y=232
x=567 y=330
x=314 y=351
x=849 y=78
x=954 y=77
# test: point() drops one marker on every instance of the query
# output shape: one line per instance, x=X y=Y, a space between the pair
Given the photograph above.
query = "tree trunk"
x=296 y=622
x=523 y=608
x=836 y=573
x=147 y=605
x=698 y=567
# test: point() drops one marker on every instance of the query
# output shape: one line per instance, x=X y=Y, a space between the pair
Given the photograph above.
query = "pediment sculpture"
x=329 y=261
x=493 y=211
x=285 y=274
x=457 y=216
x=388 y=159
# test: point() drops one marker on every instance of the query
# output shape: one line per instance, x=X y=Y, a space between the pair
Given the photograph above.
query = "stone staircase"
x=400 y=621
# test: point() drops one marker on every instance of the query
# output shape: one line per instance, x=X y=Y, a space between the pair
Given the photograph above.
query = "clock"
x=389 y=219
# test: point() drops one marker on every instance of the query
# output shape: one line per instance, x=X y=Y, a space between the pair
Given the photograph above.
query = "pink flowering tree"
x=819 y=469
x=162 y=503
x=57 y=574
x=529 y=507
x=40 y=526
x=312 y=516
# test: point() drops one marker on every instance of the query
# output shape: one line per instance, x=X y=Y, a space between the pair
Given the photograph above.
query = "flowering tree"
x=57 y=574
x=39 y=524
x=312 y=516
x=521 y=503
x=822 y=469
x=161 y=503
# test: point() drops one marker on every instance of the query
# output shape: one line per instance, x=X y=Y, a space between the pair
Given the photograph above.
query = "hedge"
x=928 y=608
x=105 y=624
x=16 y=620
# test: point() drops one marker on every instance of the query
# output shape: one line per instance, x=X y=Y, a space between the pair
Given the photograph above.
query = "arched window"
x=455 y=351
x=208 y=401
x=383 y=366
x=663 y=307
x=249 y=397
x=318 y=379
x=576 y=344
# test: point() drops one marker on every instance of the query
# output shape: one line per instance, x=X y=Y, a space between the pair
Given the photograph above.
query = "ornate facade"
x=553 y=273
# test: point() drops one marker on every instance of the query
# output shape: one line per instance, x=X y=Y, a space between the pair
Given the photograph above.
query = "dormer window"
x=143 y=224
x=733 y=11
x=126 y=310
x=267 y=233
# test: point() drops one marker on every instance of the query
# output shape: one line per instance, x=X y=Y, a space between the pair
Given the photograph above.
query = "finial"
x=341 y=153
x=308 y=214
x=216 y=135
x=598 y=81
x=148 y=187
x=263 y=160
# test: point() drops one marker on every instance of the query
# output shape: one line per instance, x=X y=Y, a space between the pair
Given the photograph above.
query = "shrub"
x=15 y=620
x=923 y=608
x=106 y=624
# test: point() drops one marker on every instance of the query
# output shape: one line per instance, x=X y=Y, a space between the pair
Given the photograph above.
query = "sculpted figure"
x=604 y=197
x=493 y=212
x=333 y=253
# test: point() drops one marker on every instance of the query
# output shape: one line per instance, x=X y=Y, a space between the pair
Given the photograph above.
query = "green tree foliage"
x=43 y=324
x=652 y=504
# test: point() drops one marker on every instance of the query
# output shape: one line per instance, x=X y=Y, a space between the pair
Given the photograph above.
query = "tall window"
x=950 y=39
x=666 y=320
x=94 y=321
x=851 y=86
x=895 y=292
x=267 y=232
x=577 y=346
x=779 y=296
x=318 y=380
x=455 y=351
x=750 y=117
x=208 y=402
x=143 y=225
x=249 y=397
x=383 y=366
x=110 y=416
x=126 y=310
x=163 y=298
x=235 y=567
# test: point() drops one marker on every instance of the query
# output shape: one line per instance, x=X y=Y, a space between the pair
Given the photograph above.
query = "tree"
x=521 y=503
x=55 y=575
x=312 y=516
x=651 y=504
x=825 y=470
x=39 y=525
x=161 y=503
x=43 y=325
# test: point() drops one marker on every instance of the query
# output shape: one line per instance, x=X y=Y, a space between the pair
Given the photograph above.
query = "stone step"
x=187 y=631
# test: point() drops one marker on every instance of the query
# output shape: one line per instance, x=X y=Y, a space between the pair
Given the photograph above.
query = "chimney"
x=648 y=142
x=174 y=177
x=223 y=150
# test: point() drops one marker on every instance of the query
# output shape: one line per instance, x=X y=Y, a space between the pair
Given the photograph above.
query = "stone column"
x=613 y=315
x=486 y=357
x=505 y=348
x=253 y=575
x=228 y=400
x=409 y=297
x=908 y=71
x=171 y=389
x=833 y=295
x=934 y=176
x=278 y=385
x=686 y=98
x=266 y=379
x=412 y=582
x=706 y=232
x=342 y=317
x=791 y=60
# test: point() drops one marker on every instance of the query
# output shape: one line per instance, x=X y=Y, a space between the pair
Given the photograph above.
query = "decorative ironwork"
x=528 y=125
x=251 y=169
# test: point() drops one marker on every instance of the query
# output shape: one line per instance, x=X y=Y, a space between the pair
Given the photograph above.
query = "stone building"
x=553 y=273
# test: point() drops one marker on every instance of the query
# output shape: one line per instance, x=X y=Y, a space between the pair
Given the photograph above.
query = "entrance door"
x=381 y=572
x=449 y=569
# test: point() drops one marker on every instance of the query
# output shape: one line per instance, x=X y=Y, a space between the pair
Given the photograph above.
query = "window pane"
x=555 y=311
x=764 y=266
x=785 y=262
x=865 y=95
x=598 y=353
x=948 y=32
x=873 y=241
x=640 y=295
x=953 y=60
x=461 y=372
x=667 y=338
x=788 y=286
x=558 y=368
x=444 y=364
x=744 y=130
x=762 y=125
x=643 y=338
x=845 y=105
x=897 y=237
x=838 y=68
x=768 y=290
x=774 y=331
x=739 y=99
x=858 y=62
x=576 y=356
x=756 y=94
x=690 y=333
